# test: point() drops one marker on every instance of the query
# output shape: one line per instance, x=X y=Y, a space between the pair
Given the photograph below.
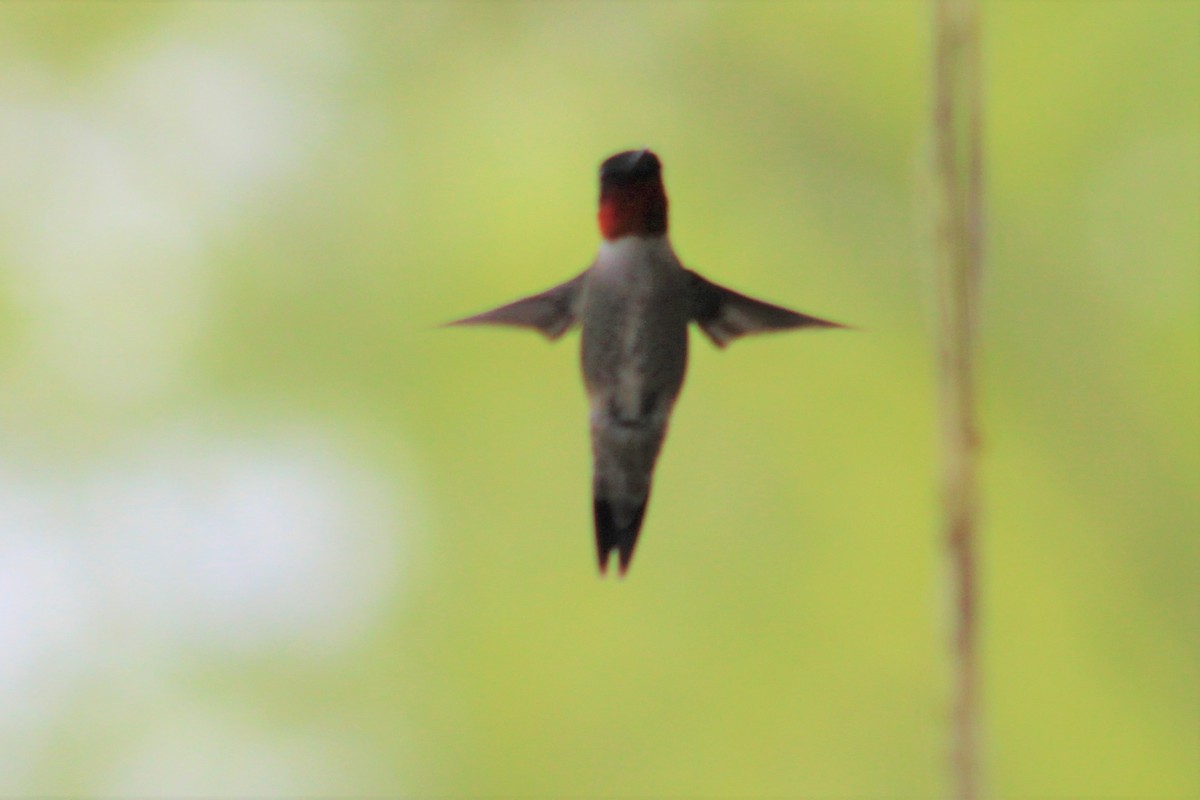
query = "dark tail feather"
x=617 y=527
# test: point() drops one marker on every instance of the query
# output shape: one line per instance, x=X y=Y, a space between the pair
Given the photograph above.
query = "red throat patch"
x=636 y=209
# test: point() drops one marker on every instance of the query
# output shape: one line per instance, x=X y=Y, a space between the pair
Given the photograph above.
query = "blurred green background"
x=266 y=530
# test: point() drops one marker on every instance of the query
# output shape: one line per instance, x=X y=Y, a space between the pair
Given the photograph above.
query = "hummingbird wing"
x=552 y=312
x=724 y=315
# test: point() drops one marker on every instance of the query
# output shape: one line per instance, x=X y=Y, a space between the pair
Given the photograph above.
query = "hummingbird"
x=634 y=304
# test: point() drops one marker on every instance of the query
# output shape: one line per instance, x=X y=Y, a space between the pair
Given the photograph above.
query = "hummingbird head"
x=632 y=199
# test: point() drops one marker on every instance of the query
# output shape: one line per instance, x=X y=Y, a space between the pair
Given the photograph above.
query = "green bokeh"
x=362 y=172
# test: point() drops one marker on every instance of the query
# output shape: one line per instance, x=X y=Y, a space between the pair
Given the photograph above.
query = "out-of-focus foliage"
x=265 y=530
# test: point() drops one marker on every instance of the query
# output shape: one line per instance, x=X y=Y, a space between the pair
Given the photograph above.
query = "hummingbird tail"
x=617 y=525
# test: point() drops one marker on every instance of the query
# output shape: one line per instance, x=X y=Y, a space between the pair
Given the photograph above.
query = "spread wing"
x=552 y=312
x=724 y=315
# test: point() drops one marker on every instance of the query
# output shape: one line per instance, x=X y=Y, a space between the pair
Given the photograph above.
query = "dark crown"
x=630 y=167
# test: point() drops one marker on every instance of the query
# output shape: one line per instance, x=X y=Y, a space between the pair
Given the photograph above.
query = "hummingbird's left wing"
x=552 y=312
x=724 y=315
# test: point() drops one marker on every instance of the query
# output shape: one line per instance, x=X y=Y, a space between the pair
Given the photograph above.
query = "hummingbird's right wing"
x=552 y=312
x=724 y=315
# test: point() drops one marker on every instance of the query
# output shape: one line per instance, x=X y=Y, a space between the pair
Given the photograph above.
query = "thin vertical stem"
x=957 y=171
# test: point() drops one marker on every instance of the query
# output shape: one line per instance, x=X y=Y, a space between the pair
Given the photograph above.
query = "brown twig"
x=958 y=225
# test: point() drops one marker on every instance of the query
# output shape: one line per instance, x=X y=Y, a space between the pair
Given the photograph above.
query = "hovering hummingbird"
x=634 y=304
